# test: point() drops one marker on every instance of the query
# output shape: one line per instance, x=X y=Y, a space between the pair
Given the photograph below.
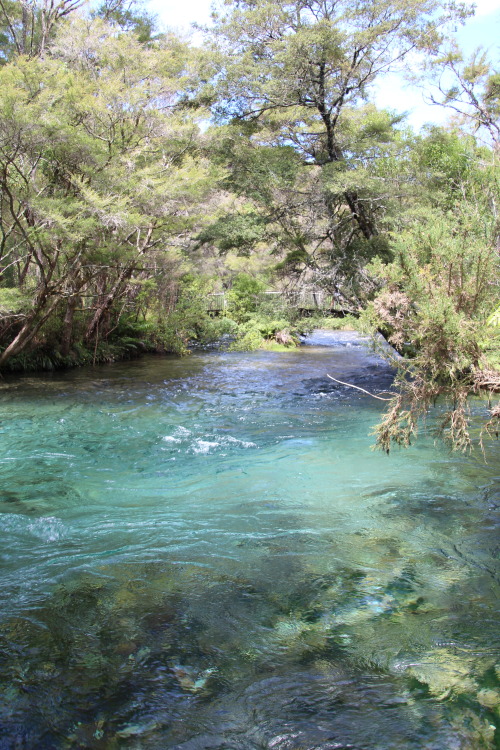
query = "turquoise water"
x=205 y=553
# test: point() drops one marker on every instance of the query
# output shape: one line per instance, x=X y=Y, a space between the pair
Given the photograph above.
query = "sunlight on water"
x=205 y=553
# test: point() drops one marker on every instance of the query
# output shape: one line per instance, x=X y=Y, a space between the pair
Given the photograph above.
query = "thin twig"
x=350 y=385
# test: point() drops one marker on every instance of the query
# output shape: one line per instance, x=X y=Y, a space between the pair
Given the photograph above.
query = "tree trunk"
x=67 y=331
x=335 y=154
x=359 y=213
x=27 y=333
x=103 y=308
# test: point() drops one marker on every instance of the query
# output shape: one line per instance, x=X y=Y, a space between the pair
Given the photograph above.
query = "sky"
x=483 y=29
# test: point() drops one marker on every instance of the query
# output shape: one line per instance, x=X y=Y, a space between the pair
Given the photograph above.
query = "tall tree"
x=26 y=26
x=298 y=209
x=303 y=65
x=98 y=170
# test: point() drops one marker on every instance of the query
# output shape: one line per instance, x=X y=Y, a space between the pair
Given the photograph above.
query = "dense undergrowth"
x=251 y=320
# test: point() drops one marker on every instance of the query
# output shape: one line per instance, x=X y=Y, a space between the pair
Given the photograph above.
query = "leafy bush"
x=248 y=340
x=346 y=322
x=260 y=329
x=244 y=297
x=434 y=307
x=12 y=300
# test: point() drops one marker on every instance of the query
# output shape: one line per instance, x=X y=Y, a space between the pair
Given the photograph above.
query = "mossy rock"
x=489 y=699
x=445 y=672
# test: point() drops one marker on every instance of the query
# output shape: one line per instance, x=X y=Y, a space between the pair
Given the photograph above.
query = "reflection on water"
x=204 y=553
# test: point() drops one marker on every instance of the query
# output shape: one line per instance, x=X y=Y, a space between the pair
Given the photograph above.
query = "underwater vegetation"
x=205 y=553
x=160 y=654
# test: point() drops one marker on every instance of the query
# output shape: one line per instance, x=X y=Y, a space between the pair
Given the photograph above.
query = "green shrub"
x=247 y=341
x=259 y=329
x=345 y=323
x=244 y=297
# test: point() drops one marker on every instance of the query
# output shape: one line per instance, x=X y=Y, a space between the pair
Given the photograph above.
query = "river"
x=204 y=552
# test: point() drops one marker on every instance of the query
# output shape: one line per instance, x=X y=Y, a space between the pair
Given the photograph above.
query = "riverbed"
x=205 y=552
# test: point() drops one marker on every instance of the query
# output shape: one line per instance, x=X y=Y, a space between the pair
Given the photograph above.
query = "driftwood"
x=350 y=385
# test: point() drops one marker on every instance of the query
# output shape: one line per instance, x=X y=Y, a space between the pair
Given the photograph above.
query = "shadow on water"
x=207 y=555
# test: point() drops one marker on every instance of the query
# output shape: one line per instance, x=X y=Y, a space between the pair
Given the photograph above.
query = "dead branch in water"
x=350 y=385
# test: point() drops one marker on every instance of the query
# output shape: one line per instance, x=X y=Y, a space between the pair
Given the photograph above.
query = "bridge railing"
x=216 y=302
x=304 y=300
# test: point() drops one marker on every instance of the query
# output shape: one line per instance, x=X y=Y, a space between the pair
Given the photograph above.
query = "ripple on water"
x=204 y=552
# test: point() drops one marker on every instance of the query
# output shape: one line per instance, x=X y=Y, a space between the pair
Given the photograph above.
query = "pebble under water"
x=205 y=553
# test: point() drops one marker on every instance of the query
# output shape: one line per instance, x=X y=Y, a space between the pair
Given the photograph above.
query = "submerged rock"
x=444 y=672
x=136 y=730
x=489 y=698
x=191 y=679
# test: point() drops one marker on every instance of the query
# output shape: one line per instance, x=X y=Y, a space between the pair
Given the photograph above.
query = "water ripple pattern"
x=206 y=553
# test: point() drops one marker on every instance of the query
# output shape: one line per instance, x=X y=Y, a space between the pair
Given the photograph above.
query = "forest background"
x=140 y=175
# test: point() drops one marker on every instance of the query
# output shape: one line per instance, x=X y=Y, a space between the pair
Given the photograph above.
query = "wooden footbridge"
x=306 y=301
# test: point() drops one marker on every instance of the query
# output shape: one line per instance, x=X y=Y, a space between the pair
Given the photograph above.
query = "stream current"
x=205 y=553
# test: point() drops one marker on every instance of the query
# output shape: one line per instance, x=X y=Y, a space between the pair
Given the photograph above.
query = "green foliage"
x=99 y=173
x=448 y=165
x=294 y=261
x=239 y=232
x=344 y=323
x=249 y=339
x=187 y=323
x=438 y=294
x=494 y=318
x=261 y=330
x=12 y=300
x=244 y=297
x=48 y=358
x=129 y=16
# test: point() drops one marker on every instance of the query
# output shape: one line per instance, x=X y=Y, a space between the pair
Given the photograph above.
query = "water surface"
x=205 y=553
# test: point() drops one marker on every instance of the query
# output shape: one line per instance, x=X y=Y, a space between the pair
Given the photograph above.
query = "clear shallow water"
x=204 y=553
